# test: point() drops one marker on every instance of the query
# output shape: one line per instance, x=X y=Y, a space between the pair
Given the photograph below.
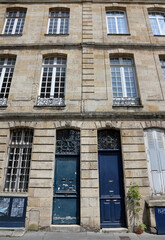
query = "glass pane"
x=122 y=28
x=162 y=26
x=154 y=25
x=111 y=25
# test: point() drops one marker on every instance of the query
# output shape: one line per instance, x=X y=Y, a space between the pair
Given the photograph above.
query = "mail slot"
x=160 y=219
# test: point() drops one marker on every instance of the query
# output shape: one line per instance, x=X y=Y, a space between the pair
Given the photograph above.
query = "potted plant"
x=134 y=198
x=141 y=227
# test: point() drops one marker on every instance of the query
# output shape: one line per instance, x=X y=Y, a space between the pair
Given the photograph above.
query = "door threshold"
x=114 y=230
x=65 y=228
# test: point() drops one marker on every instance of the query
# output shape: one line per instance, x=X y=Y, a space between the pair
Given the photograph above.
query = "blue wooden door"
x=66 y=190
x=112 y=210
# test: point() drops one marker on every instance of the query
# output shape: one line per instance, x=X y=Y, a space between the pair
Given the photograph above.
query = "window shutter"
x=161 y=149
x=153 y=153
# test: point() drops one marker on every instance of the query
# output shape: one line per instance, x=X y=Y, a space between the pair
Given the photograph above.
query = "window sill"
x=118 y=34
x=159 y=35
x=127 y=106
x=57 y=35
x=156 y=202
x=55 y=107
x=11 y=35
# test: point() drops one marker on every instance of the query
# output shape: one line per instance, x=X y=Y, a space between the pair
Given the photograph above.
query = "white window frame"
x=121 y=65
x=58 y=22
x=157 y=20
x=162 y=185
x=52 y=100
x=162 y=63
x=116 y=24
x=3 y=101
x=15 y=22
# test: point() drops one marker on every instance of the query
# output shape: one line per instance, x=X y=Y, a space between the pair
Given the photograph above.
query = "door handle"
x=114 y=200
x=107 y=200
x=110 y=181
x=111 y=191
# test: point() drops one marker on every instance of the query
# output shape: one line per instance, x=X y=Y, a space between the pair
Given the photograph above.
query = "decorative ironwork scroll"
x=68 y=142
x=126 y=101
x=3 y=101
x=50 y=102
x=109 y=140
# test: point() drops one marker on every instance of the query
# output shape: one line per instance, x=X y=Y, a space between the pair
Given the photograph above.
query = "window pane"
x=111 y=25
x=122 y=28
x=162 y=26
x=14 y=22
x=17 y=172
x=58 y=22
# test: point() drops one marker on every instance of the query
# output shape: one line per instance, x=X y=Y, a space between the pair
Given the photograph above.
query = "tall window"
x=14 y=22
x=157 y=20
x=155 y=147
x=162 y=62
x=116 y=22
x=58 y=22
x=123 y=82
x=52 y=86
x=19 y=157
x=6 y=74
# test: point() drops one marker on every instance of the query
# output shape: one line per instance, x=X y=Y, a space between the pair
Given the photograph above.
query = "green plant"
x=134 y=197
x=143 y=226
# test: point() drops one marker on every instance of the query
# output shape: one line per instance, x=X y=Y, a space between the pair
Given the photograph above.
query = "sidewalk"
x=85 y=236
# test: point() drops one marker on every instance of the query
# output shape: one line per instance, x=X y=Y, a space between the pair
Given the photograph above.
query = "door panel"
x=111 y=189
x=66 y=190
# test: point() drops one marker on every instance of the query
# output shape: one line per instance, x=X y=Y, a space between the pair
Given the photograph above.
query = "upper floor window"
x=14 y=22
x=155 y=147
x=116 y=22
x=123 y=82
x=157 y=20
x=6 y=74
x=19 y=157
x=58 y=22
x=162 y=63
x=52 y=85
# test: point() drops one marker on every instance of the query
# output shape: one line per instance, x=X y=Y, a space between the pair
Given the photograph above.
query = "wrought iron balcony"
x=50 y=102
x=126 y=101
x=3 y=101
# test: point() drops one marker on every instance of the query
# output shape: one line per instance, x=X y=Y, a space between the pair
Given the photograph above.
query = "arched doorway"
x=112 y=206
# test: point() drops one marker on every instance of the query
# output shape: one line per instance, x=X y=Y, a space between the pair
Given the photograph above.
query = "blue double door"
x=112 y=207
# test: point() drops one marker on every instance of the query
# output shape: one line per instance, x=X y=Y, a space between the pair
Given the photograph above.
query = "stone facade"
x=88 y=100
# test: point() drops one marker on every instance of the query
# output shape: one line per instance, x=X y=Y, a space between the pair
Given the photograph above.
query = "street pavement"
x=85 y=236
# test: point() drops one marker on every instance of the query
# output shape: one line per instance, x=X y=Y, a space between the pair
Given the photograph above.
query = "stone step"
x=12 y=232
x=65 y=228
x=114 y=230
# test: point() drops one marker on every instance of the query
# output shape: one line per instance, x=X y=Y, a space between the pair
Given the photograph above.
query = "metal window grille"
x=6 y=74
x=14 y=22
x=157 y=20
x=19 y=157
x=162 y=62
x=116 y=22
x=58 y=22
x=123 y=82
x=52 y=86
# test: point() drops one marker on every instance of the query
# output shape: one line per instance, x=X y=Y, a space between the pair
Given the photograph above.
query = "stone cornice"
x=81 y=1
x=27 y=116
x=148 y=46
